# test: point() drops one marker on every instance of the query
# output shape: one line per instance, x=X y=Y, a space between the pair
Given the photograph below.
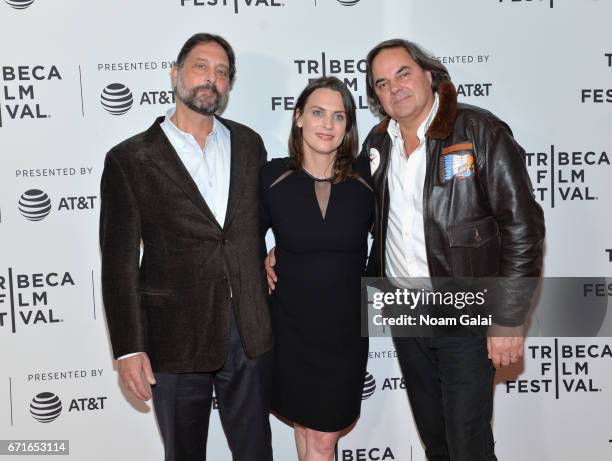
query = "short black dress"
x=321 y=231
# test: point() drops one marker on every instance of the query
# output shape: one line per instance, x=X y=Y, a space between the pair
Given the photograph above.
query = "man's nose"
x=211 y=75
x=393 y=86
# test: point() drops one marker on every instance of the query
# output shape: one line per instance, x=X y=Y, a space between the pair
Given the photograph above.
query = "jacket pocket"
x=475 y=248
x=152 y=297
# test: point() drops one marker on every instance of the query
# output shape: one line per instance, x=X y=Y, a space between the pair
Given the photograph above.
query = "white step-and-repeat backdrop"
x=544 y=66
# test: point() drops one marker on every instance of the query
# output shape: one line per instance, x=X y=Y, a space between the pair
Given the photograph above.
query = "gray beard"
x=189 y=98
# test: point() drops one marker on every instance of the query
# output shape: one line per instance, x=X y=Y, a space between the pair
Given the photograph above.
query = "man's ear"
x=174 y=74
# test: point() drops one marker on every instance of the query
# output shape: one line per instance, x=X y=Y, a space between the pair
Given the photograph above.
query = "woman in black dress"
x=320 y=209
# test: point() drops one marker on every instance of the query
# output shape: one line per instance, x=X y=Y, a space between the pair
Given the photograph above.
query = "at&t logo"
x=19 y=4
x=116 y=99
x=35 y=204
x=369 y=386
x=45 y=407
x=87 y=404
x=389 y=384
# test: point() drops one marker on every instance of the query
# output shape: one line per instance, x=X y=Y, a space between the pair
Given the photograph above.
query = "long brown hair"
x=427 y=62
x=347 y=150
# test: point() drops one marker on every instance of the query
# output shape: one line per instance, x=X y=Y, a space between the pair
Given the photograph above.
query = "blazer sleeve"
x=120 y=250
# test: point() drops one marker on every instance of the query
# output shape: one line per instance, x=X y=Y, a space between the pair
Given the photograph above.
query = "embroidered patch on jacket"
x=457 y=161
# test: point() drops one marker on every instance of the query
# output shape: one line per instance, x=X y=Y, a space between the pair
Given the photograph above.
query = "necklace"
x=317 y=178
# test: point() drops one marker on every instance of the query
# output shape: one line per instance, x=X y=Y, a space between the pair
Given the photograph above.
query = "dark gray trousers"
x=183 y=402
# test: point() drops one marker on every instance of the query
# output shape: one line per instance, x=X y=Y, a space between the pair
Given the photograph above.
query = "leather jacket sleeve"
x=520 y=219
x=510 y=193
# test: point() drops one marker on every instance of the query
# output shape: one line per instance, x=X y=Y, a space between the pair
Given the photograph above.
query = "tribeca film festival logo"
x=19 y=4
x=237 y=4
x=117 y=98
x=24 y=298
x=351 y=71
x=561 y=175
x=550 y=3
x=18 y=94
x=35 y=204
x=598 y=95
x=46 y=407
x=366 y=454
x=563 y=369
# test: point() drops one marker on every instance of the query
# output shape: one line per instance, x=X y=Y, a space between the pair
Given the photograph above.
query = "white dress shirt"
x=209 y=167
x=406 y=255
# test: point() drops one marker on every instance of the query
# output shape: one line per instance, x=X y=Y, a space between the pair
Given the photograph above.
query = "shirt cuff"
x=128 y=355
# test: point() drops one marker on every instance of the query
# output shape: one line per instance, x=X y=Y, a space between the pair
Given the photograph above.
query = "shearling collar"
x=444 y=120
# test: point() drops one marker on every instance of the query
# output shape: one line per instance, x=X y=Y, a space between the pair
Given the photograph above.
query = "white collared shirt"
x=209 y=167
x=406 y=255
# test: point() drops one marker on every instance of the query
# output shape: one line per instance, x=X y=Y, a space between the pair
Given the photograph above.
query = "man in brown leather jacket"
x=453 y=200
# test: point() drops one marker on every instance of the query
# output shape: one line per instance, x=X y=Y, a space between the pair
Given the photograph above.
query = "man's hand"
x=270 y=263
x=505 y=350
x=137 y=375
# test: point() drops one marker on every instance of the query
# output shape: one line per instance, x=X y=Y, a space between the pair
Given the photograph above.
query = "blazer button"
x=224 y=241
